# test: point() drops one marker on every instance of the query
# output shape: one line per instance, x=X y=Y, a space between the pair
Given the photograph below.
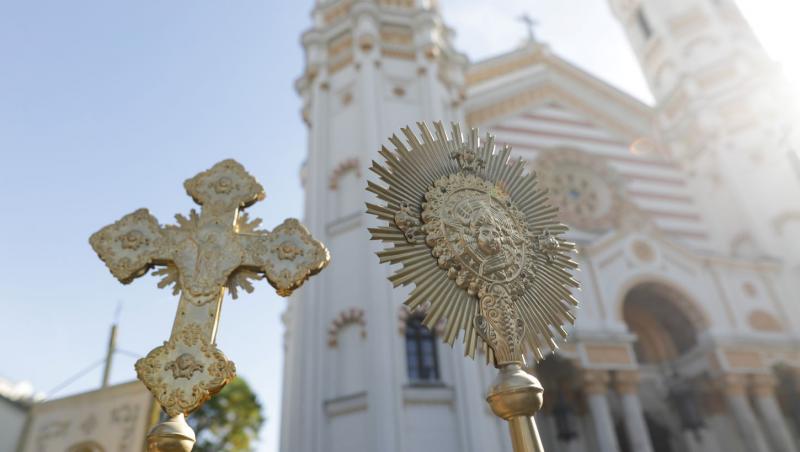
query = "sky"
x=106 y=107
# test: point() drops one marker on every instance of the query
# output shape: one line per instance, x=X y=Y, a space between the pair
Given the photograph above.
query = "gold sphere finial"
x=515 y=393
x=173 y=435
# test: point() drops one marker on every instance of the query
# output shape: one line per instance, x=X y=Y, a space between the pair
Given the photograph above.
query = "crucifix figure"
x=530 y=23
x=202 y=256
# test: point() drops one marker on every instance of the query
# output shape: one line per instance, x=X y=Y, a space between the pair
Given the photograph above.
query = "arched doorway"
x=666 y=323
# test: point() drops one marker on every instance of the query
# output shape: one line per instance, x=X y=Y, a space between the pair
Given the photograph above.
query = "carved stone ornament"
x=487 y=254
x=202 y=255
x=586 y=191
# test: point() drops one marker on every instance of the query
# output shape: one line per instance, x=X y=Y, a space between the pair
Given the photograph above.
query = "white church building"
x=686 y=215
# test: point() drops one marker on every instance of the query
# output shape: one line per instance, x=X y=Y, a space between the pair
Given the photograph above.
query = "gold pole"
x=516 y=396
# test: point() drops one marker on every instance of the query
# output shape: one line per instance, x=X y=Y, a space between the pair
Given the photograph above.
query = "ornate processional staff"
x=481 y=244
x=202 y=256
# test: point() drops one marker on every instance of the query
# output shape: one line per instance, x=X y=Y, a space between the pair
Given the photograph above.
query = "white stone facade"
x=686 y=215
x=116 y=418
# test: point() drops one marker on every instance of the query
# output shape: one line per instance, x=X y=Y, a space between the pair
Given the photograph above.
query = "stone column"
x=763 y=387
x=734 y=388
x=596 y=389
x=627 y=385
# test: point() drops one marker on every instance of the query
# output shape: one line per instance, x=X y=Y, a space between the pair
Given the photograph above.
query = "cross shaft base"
x=516 y=396
x=173 y=435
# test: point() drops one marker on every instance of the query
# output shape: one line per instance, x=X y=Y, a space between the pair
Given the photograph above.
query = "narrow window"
x=423 y=364
x=644 y=25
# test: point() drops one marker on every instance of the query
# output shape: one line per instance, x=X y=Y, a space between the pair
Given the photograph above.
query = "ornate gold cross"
x=203 y=255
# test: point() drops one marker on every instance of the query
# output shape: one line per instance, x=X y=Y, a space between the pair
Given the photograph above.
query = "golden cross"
x=202 y=256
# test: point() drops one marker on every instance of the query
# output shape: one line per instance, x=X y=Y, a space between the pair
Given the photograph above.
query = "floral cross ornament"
x=202 y=256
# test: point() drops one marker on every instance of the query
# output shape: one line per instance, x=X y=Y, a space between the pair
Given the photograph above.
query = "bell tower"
x=360 y=374
x=725 y=115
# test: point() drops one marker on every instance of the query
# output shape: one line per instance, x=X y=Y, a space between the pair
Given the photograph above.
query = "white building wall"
x=676 y=225
x=356 y=395
x=12 y=421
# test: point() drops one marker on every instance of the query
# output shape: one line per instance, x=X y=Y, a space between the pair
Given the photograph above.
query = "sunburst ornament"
x=477 y=239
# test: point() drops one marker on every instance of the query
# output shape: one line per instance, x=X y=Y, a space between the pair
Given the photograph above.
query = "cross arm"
x=131 y=246
x=287 y=256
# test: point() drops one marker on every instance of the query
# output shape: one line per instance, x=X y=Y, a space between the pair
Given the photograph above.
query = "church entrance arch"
x=666 y=322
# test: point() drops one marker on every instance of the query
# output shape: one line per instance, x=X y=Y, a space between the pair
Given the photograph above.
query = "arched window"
x=421 y=359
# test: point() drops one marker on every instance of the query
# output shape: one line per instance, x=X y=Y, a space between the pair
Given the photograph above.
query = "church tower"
x=725 y=115
x=361 y=374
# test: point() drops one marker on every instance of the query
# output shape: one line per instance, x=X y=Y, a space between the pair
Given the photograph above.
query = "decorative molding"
x=346 y=317
x=742 y=244
x=346 y=166
x=578 y=183
x=732 y=384
x=743 y=359
x=399 y=54
x=345 y=405
x=397 y=41
x=608 y=354
x=347 y=98
x=366 y=42
x=428 y=395
x=714 y=77
x=489 y=70
x=595 y=381
x=305 y=113
x=691 y=21
x=780 y=221
x=643 y=251
x=749 y=289
x=340 y=51
x=760 y=320
x=344 y=223
x=432 y=52
x=336 y=11
x=396 y=35
x=403 y=314
x=521 y=101
x=627 y=381
x=406 y=4
x=763 y=385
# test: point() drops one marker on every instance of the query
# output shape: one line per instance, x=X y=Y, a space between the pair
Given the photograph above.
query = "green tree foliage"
x=229 y=422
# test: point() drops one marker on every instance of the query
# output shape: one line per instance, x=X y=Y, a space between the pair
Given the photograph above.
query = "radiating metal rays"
x=470 y=228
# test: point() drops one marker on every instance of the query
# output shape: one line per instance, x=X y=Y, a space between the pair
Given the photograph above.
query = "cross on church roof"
x=530 y=23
